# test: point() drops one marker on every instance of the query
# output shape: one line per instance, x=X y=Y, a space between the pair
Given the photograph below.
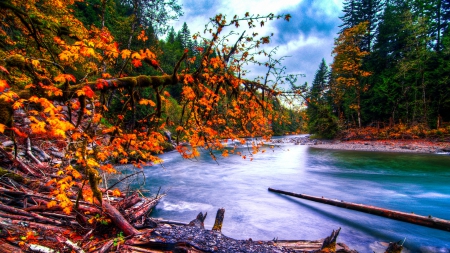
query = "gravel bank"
x=388 y=146
x=404 y=146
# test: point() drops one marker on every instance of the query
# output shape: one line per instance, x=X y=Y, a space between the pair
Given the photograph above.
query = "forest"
x=390 y=71
x=89 y=85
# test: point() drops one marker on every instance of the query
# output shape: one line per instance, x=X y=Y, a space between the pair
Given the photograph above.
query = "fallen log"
x=119 y=220
x=426 y=221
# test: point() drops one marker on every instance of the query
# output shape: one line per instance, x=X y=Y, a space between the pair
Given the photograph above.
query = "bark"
x=119 y=220
x=14 y=225
x=8 y=248
x=29 y=214
x=219 y=220
x=198 y=221
x=394 y=247
x=106 y=247
x=69 y=243
x=30 y=153
x=128 y=202
x=20 y=165
x=135 y=214
x=329 y=244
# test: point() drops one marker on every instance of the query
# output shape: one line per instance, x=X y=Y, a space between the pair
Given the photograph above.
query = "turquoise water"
x=405 y=182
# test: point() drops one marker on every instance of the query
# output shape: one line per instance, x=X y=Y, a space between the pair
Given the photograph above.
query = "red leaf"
x=18 y=132
x=136 y=63
x=88 y=91
x=101 y=83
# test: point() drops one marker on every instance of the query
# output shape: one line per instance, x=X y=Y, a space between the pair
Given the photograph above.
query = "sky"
x=305 y=39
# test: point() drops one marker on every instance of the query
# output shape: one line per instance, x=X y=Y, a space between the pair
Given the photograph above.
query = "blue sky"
x=306 y=39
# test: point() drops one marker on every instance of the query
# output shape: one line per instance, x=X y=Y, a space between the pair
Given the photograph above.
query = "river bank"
x=404 y=146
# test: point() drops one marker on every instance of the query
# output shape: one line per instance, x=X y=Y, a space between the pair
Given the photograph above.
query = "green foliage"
x=408 y=43
x=325 y=124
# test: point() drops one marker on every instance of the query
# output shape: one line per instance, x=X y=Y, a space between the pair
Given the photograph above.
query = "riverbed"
x=418 y=183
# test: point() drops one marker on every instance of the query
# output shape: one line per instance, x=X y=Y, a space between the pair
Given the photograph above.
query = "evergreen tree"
x=321 y=120
x=185 y=37
x=357 y=11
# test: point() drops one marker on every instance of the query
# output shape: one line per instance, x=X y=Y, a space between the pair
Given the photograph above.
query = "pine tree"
x=357 y=11
x=321 y=120
x=185 y=35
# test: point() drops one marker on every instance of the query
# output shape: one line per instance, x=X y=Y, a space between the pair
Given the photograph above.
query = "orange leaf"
x=116 y=192
x=3 y=85
x=2 y=128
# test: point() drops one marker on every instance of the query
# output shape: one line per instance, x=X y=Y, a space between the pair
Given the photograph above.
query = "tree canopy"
x=102 y=92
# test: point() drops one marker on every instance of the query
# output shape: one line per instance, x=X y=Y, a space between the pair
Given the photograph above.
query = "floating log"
x=426 y=221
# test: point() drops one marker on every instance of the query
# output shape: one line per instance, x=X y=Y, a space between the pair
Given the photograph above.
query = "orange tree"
x=58 y=74
x=347 y=69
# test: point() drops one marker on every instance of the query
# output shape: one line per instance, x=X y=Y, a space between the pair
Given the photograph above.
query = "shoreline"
x=419 y=146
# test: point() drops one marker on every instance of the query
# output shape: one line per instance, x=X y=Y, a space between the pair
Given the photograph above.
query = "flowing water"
x=400 y=181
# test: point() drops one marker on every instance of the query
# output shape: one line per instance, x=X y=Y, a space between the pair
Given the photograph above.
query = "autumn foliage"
x=59 y=74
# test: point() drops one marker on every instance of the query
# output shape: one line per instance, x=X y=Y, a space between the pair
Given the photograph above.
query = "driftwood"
x=394 y=247
x=329 y=244
x=19 y=163
x=119 y=220
x=426 y=221
x=219 y=220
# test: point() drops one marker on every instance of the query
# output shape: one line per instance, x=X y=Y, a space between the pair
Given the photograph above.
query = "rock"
x=57 y=154
x=7 y=143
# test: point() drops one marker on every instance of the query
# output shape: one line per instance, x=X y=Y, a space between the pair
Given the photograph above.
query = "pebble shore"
x=403 y=146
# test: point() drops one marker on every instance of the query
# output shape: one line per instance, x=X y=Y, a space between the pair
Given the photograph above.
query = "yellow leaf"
x=91 y=162
x=147 y=102
x=80 y=92
x=125 y=53
x=116 y=192
x=2 y=128
x=136 y=55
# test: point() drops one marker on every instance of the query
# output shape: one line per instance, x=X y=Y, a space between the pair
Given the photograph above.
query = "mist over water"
x=399 y=181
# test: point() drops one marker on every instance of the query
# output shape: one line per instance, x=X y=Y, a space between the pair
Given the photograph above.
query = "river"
x=405 y=182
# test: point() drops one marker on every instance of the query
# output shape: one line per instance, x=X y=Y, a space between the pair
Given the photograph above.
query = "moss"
x=94 y=180
x=6 y=113
x=12 y=175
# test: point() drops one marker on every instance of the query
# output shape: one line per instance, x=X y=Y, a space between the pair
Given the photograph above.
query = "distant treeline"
x=391 y=66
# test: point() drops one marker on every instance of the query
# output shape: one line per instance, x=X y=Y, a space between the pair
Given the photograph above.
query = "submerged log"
x=426 y=221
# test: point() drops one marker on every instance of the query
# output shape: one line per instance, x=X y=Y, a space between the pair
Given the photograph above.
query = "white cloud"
x=307 y=38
